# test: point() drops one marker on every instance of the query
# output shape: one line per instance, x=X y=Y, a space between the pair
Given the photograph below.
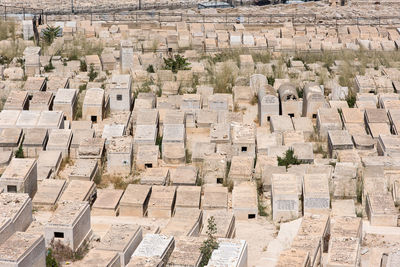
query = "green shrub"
x=82 y=87
x=92 y=74
x=271 y=81
x=289 y=159
x=49 y=67
x=176 y=63
x=50 y=34
x=50 y=260
x=83 y=66
x=210 y=244
x=150 y=69
x=19 y=153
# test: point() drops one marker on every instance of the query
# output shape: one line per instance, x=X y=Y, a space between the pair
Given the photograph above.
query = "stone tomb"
x=343 y=251
x=20 y=176
x=312 y=236
x=328 y=119
x=96 y=257
x=281 y=124
x=241 y=168
x=244 y=201
x=48 y=163
x=135 y=200
x=145 y=134
x=84 y=170
x=16 y=214
x=155 y=176
x=77 y=136
x=69 y=224
x=92 y=148
x=41 y=100
x=316 y=193
x=344 y=226
x=78 y=190
x=214 y=168
x=66 y=101
x=186 y=252
x=184 y=175
x=293 y=257
x=10 y=139
x=107 y=202
x=49 y=192
x=186 y=222
x=155 y=246
x=93 y=105
x=122 y=239
x=339 y=140
x=230 y=252
x=147 y=156
x=244 y=139
x=60 y=139
x=17 y=100
x=35 y=141
x=120 y=155
x=162 y=201
x=215 y=197
x=343 y=207
x=23 y=249
x=285 y=201
x=174 y=154
x=381 y=210
x=188 y=197
x=224 y=221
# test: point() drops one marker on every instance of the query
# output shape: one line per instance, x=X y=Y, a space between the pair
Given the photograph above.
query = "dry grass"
x=118 y=182
x=82 y=46
x=63 y=253
x=224 y=79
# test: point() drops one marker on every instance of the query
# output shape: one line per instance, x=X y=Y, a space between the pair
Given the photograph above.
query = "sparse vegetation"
x=210 y=244
x=351 y=99
x=50 y=34
x=359 y=213
x=92 y=73
x=49 y=67
x=224 y=79
x=359 y=191
x=7 y=29
x=82 y=46
x=159 y=143
x=176 y=63
x=254 y=100
x=19 y=153
x=50 y=260
x=289 y=159
x=83 y=66
x=271 y=80
x=263 y=57
x=188 y=156
x=261 y=206
x=61 y=253
x=320 y=150
x=150 y=69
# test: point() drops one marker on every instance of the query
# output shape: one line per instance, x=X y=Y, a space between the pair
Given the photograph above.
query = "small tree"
x=176 y=63
x=289 y=159
x=92 y=74
x=150 y=69
x=351 y=100
x=51 y=33
x=83 y=66
x=50 y=260
x=19 y=153
x=210 y=243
